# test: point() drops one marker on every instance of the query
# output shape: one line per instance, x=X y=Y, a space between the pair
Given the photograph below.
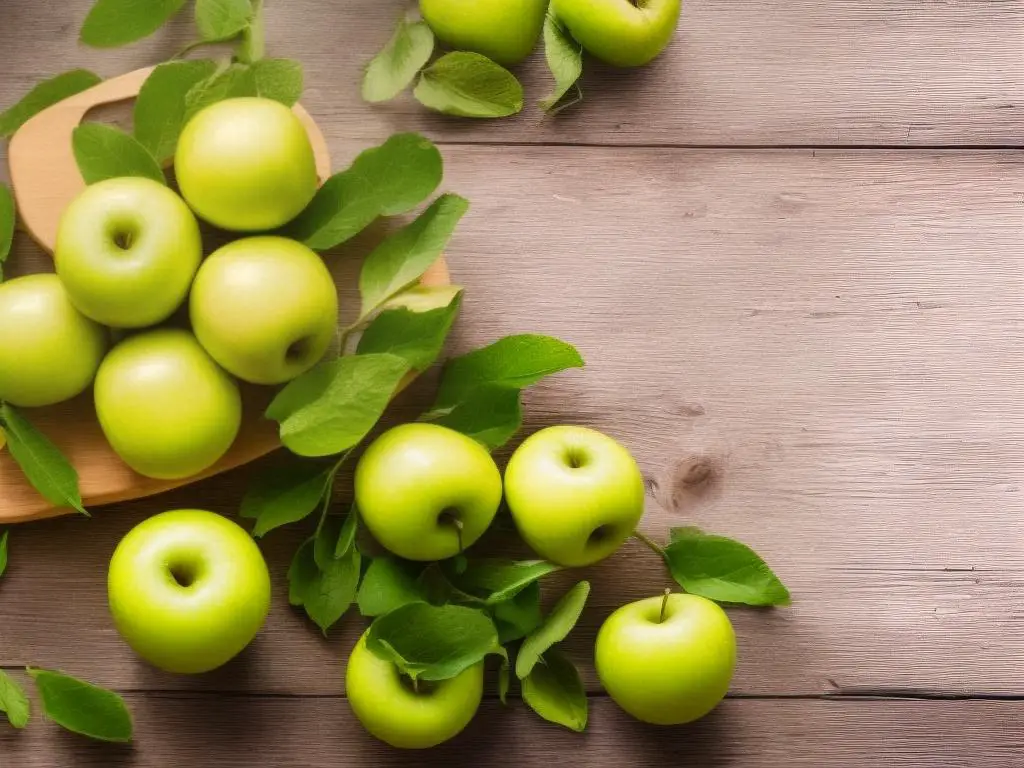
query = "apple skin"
x=265 y=308
x=414 y=479
x=246 y=164
x=505 y=31
x=575 y=494
x=127 y=250
x=670 y=672
x=196 y=626
x=393 y=712
x=49 y=351
x=165 y=406
x=617 y=31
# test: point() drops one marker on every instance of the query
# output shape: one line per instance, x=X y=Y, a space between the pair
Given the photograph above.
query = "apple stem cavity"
x=664 y=605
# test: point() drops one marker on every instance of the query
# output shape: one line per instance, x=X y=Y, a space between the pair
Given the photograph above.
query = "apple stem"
x=458 y=531
x=664 y=605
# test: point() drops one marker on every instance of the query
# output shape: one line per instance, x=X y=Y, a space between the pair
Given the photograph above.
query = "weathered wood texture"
x=845 y=72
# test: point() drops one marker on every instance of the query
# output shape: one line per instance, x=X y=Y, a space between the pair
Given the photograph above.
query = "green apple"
x=506 y=31
x=265 y=308
x=667 y=660
x=575 y=494
x=626 y=33
x=188 y=590
x=49 y=351
x=165 y=407
x=127 y=250
x=427 y=492
x=246 y=164
x=391 y=709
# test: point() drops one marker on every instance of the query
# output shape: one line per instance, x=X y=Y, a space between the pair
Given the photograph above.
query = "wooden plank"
x=219 y=732
x=831 y=338
x=746 y=72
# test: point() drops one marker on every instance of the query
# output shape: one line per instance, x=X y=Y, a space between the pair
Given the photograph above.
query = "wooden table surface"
x=791 y=251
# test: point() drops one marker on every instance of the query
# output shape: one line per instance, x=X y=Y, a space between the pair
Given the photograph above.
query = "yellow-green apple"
x=667 y=660
x=265 y=308
x=188 y=590
x=408 y=717
x=49 y=351
x=626 y=33
x=427 y=492
x=127 y=250
x=165 y=406
x=575 y=494
x=246 y=164
x=505 y=31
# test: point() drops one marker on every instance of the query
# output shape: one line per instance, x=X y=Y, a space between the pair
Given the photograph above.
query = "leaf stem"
x=329 y=490
x=651 y=544
x=253 y=44
x=664 y=605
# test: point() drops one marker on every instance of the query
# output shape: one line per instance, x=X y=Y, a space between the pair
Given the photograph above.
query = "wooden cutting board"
x=45 y=179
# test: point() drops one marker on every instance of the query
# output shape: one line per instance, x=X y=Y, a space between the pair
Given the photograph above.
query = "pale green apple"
x=505 y=31
x=667 y=660
x=265 y=308
x=49 y=351
x=246 y=164
x=575 y=494
x=127 y=250
x=426 y=492
x=188 y=590
x=165 y=406
x=390 y=708
x=621 y=32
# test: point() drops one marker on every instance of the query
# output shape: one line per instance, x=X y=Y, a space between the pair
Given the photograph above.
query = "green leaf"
x=284 y=495
x=278 y=79
x=499 y=580
x=3 y=551
x=302 y=573
x=347 y=535
x=7 y=220
x=13 y=701
x=111 y=23
x=514 y=362
x=468 y=84
x=234 y=81
x=433 y=642
x=402 y=258
x=383 y=181
x=46 y=94
x=327 y=542
x=334 y=590
x=554 y=690
x=565 y=60
x=417 y=337
x=222 y=19
x=44 y=465
x=491 y=415
x=389 y=584
x=160 y=108
x=504 y=679
x=83 y=708
x=105 y=152
x=555 y=629
x=519 y=616
x=424 y=298
x=333 y=406
x=722 y=569
x=393 y=69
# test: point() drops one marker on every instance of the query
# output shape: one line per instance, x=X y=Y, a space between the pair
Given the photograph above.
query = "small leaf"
x=332 y=407
x=13 y=701
x=554 y=690
x=160 y=108
x=393 y=69
x=111 y=23
x=285 y=495
x=491 y=415
x=424 y=298
x=278 y=79
x=555 y=629
x=402 y=258
x=44 y=465
x=433 y=642
x=347 y=535
x=83 y=708
x=7 y=220
x=504 y=679
x=105 y=152
x=499 y=580
x=417 y=337
x=222 y=19
x=325 y=543
x=234 y=81
x=722 y=569
x=468 y=84
x=302 y=573
x=46 y=94
x=3 y=551
x=389 y=584
x=334 y=590
x=383 y=181
x=565 y=60
x=514 y=362
x=519 y=616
